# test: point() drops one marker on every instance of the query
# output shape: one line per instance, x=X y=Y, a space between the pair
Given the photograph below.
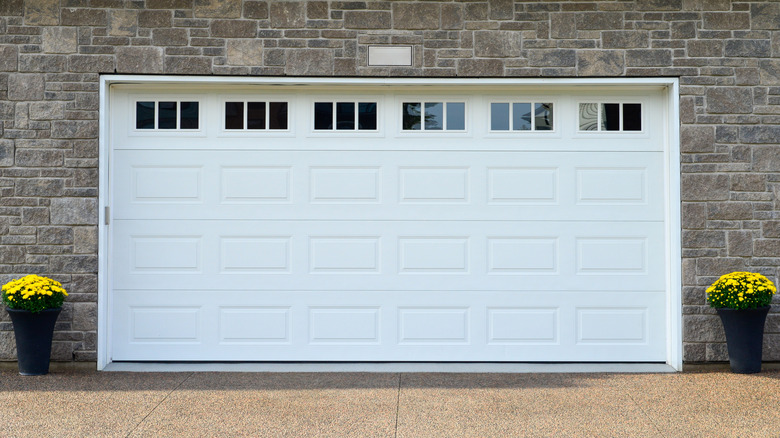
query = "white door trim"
x=671 y=153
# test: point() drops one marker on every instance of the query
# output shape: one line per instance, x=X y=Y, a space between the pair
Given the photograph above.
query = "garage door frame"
x=672 y=200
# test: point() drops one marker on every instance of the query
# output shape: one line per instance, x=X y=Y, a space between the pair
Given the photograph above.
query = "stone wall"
x=726 y=54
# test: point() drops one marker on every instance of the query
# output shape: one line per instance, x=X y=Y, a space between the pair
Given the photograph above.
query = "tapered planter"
x=744 y=337
x=33 y=332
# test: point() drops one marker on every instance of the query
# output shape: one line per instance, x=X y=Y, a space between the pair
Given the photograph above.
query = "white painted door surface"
x=387 y=245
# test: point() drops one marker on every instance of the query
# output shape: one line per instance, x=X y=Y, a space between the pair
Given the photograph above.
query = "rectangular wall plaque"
x=389 y=55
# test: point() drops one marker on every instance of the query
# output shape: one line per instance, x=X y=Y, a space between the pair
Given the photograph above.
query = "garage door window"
x=167 y=115
x=610 y=117
x=345 y=116
x=521 y=116
x=256 y=115
x=434 y=116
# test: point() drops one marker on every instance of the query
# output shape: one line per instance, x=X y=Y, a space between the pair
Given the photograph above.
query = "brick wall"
x=726 y=54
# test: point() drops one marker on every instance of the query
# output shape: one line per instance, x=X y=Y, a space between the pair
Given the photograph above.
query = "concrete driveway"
x=211 y=404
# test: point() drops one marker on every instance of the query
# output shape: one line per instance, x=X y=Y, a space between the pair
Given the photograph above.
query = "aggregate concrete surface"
x=220 y=404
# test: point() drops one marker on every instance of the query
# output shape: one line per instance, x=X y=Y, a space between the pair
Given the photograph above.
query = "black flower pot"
x=744 y=337
x=33 y=332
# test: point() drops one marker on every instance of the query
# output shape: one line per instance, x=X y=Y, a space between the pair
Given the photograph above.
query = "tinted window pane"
x=144 y=115
x=589 y=115
x=367 y=115
x=166 y=115
x=277 y=112
x=632 y=117
x=189 y=115
x=345 y=115
x=411 y=116
x=323 y=115
x=456 y=116
x=544 y=116
x=234 y=115
x=610 y=117
x=434 y=116
x=255 y=115
x=521 y=116
x=499 y=116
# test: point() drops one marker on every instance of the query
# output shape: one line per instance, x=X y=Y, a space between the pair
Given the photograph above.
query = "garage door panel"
x=408 y=255
x=264 y=325
x=387 y=185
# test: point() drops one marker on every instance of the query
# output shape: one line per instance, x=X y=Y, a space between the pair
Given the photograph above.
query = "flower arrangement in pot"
x=34 y=303
x=742 y=300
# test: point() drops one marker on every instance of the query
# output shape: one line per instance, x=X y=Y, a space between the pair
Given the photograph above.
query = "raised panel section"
x=523 y=326
x=433 y=254
x=254 y=325
x=345 y=184
x=434 y=326
x=255 y=254
x=163 y=324
x=162 y=254
x=611 y=256
x=522 y=185
x=344 y=325
x=344 y=255
x=612 y=325
x=612 y=186
x=518 y=255
x=241 y=185
x=166 y=184
x=434 y=185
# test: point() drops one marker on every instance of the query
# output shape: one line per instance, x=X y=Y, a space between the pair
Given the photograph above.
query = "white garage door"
x=387 y=224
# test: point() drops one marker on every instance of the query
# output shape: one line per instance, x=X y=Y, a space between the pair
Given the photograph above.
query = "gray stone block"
x=416 y=16
x=123 y=23
x=705 y=187
x=703 y=328
x=767 y=158
x=563 y=25
x=7 y=345
x=697 y=138
x=9 y=58
x=83 y=17
x=286 y=15
x=480 y=67
x=729 y=210
x=41 y=12
x=659 y=5
x=217 y=8
x=739 y=243
x=729 y=100
x=497 y=43
x=770 y=229
x=91 y=63
x=717 y=352
x=35 y=215
x=234 y=28
x=748 y=48
x=139 y=60
x=25 y=86
x=187 y=65
x=55 y=236
x=705 y=48
x=726 y=20
x=74 y=129
x=74 y=211
x=85 y=240
x=245 y=52
x=552 y=58
x=624 y=39
x=60 y=40
x=170 y=37
x=765 y=15
x=766 y=247
x=39 y=158
x=84 y=316
x=769 y=70
x=703 y=239
x=7 y=152
x=155 y=18
x=367 y=20
x=599 y=20
x=717 y=266
x=600 y=63
x=309 y=62
x=256 y=10
x=501 y=9
x=45 y=187
x=648 y=58
x=694 y=352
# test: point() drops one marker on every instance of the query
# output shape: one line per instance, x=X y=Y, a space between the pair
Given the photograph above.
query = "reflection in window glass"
x=345 y=115
x=323 y=115
x=188 y=115
x=166 y=115
x=277 y=112
x=367 y=115
x=144 y=115
x=234 y=115
x=499 y=116
x=456 y=116
x=589 y=116
x=434 y=116
x=255 y=115
x=610 y=117
x=544 y=117
x=521 y=116
x=632 y=117
x=411 y=119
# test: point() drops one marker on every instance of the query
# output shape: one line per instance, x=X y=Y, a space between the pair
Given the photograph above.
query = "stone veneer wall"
x=726 y=54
